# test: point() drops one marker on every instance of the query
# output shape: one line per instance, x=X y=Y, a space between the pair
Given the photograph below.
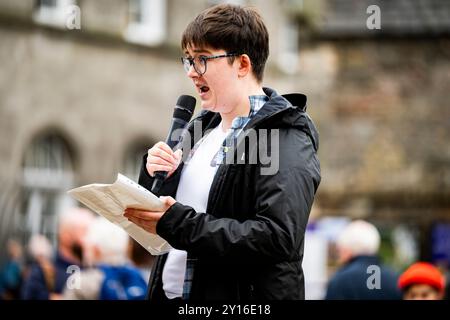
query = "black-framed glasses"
x=199 y=62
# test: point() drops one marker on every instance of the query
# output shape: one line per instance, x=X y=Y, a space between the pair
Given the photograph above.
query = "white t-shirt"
x=193 y=190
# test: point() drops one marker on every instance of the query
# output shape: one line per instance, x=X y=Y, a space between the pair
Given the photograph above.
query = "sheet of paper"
x=110 y=200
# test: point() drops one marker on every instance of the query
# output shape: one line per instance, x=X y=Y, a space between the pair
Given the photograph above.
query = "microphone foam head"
x=185 y=107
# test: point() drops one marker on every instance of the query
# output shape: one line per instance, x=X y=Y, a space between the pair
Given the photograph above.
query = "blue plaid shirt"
x=238 y=124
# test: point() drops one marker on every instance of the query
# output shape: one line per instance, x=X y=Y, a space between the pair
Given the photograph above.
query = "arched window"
x=133 y=158
x=47 y=174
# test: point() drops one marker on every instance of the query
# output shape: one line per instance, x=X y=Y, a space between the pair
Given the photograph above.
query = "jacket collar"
x=275 y=104
x=364 y=259
x=279 y=111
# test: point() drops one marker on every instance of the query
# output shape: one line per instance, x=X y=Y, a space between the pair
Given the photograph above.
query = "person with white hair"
x=362 y=276
x=110 y=275
x=47 y=280
x=39 y=247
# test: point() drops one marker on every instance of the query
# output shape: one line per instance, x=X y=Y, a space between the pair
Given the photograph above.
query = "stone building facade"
x=79 y=105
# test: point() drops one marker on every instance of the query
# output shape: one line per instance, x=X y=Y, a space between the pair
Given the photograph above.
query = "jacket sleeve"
x=276 y=232
x=34 y=287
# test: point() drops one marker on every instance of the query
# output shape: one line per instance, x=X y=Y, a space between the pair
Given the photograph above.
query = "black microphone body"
x=182 y=114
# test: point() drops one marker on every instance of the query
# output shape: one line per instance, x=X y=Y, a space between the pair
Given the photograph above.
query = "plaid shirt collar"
x=238 y=124
x=256 y=103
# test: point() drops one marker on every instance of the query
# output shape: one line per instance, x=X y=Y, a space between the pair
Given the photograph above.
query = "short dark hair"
x=233 y=28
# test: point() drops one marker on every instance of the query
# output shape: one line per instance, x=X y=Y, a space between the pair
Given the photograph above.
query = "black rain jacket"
x=249 y=244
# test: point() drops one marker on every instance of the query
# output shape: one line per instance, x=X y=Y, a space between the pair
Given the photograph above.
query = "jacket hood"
x=286 y=111
x=281 y=111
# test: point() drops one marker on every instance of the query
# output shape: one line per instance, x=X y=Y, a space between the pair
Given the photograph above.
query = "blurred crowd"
x=363 y=276
x=96 y=260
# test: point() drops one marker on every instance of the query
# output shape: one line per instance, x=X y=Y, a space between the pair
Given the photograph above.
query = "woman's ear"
x=245 y=65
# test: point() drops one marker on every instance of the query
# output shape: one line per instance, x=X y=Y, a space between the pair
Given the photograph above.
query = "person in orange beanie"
x=422 y=281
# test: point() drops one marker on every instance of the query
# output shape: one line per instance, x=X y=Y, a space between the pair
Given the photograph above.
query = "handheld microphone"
x=181 y=115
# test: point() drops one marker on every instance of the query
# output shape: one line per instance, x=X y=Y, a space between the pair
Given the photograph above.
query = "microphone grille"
x=185 y=107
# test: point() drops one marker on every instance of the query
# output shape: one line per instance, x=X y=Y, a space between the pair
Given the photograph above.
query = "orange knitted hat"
x=422 y=273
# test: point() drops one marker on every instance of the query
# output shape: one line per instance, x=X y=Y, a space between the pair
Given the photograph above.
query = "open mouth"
x=204 y=89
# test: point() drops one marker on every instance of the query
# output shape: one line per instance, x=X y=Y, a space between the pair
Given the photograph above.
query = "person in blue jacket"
x=362 y=275
x=12 y=271
x=47 y=277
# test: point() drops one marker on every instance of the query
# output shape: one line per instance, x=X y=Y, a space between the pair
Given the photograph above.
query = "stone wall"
x=381 y=106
